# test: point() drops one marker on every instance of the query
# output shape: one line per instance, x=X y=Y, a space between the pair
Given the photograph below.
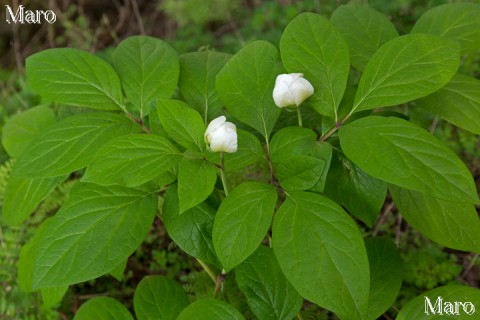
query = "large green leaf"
x=312 y=45
x=452 y=224
x=23 y=195
x=385 y=275
x=269 y=294
x=196 y=180
x=291 y=141
x=21 y=129
x=406 y=68
x=334 y=269
x=198 y=72
x=406 y=155
x=148 y=68
x=242 y=221
x=245 y=85
x=418 y=307
x=192 y=229
x=25 y=260
x=95 y=230
x=52 y=296
x=74 y=77
x=182 y=123
x=361 y=194
x=119 y=270
x=456 y=21
x=458 y=102
x=364 y=29
x=159 y=298
x=299 y=160
x=299 y=172
x=210 y=309
x=323 y=151
x=71 y=143
x=132 y=160
x=102 y=308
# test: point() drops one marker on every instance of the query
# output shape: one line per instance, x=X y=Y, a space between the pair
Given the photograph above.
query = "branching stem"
x=335 y=128
x=139 y=121
x=275 y=182
x=219 y=283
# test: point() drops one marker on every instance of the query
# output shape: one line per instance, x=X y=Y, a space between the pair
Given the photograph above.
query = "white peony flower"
x=221 y=135
x=291 y=89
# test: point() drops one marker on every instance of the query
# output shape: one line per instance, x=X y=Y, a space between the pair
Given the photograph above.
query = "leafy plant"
x=284 y=240
x=428 y=267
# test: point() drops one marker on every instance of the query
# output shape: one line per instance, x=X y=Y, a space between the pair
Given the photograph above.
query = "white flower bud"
x=221 y=135
x=291 y=89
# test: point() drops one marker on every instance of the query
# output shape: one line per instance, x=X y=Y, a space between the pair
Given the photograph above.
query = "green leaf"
x=269 y=294
x=364 y=29
x=312 y=45
x=71 y=143
x=299 y=172
x=386 y=275
x=406 y=68
x=155 y=124
x=291 y=141
x=164 y=179
x=132 y=160
x=416 y=308
x=455 y=21
x=196 y=180
x=23 y=195
x=76 y=78
x=26 y=259
x=21 y=129
x=245 y=85
x=322 y=150
x=410 y=157
x=191 y=230
x=334 y=269
x=361 y=194
x=119 y=270
x=159 y=298
x=210 y=309
x=81 y=242
x=198 y=72
x=299 y=160
x=148 y=68
x=52 y=296
x=452 y=224
x=102 y=308
x=242 y=221
x=458 y=102
x=182 y=123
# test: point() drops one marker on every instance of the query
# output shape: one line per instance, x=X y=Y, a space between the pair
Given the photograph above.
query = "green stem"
x=205 y=117
x=208 y=270
x=299 y=114
x=335 y=128
x=222 y=173
x=270 y=165
x=138 y=121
